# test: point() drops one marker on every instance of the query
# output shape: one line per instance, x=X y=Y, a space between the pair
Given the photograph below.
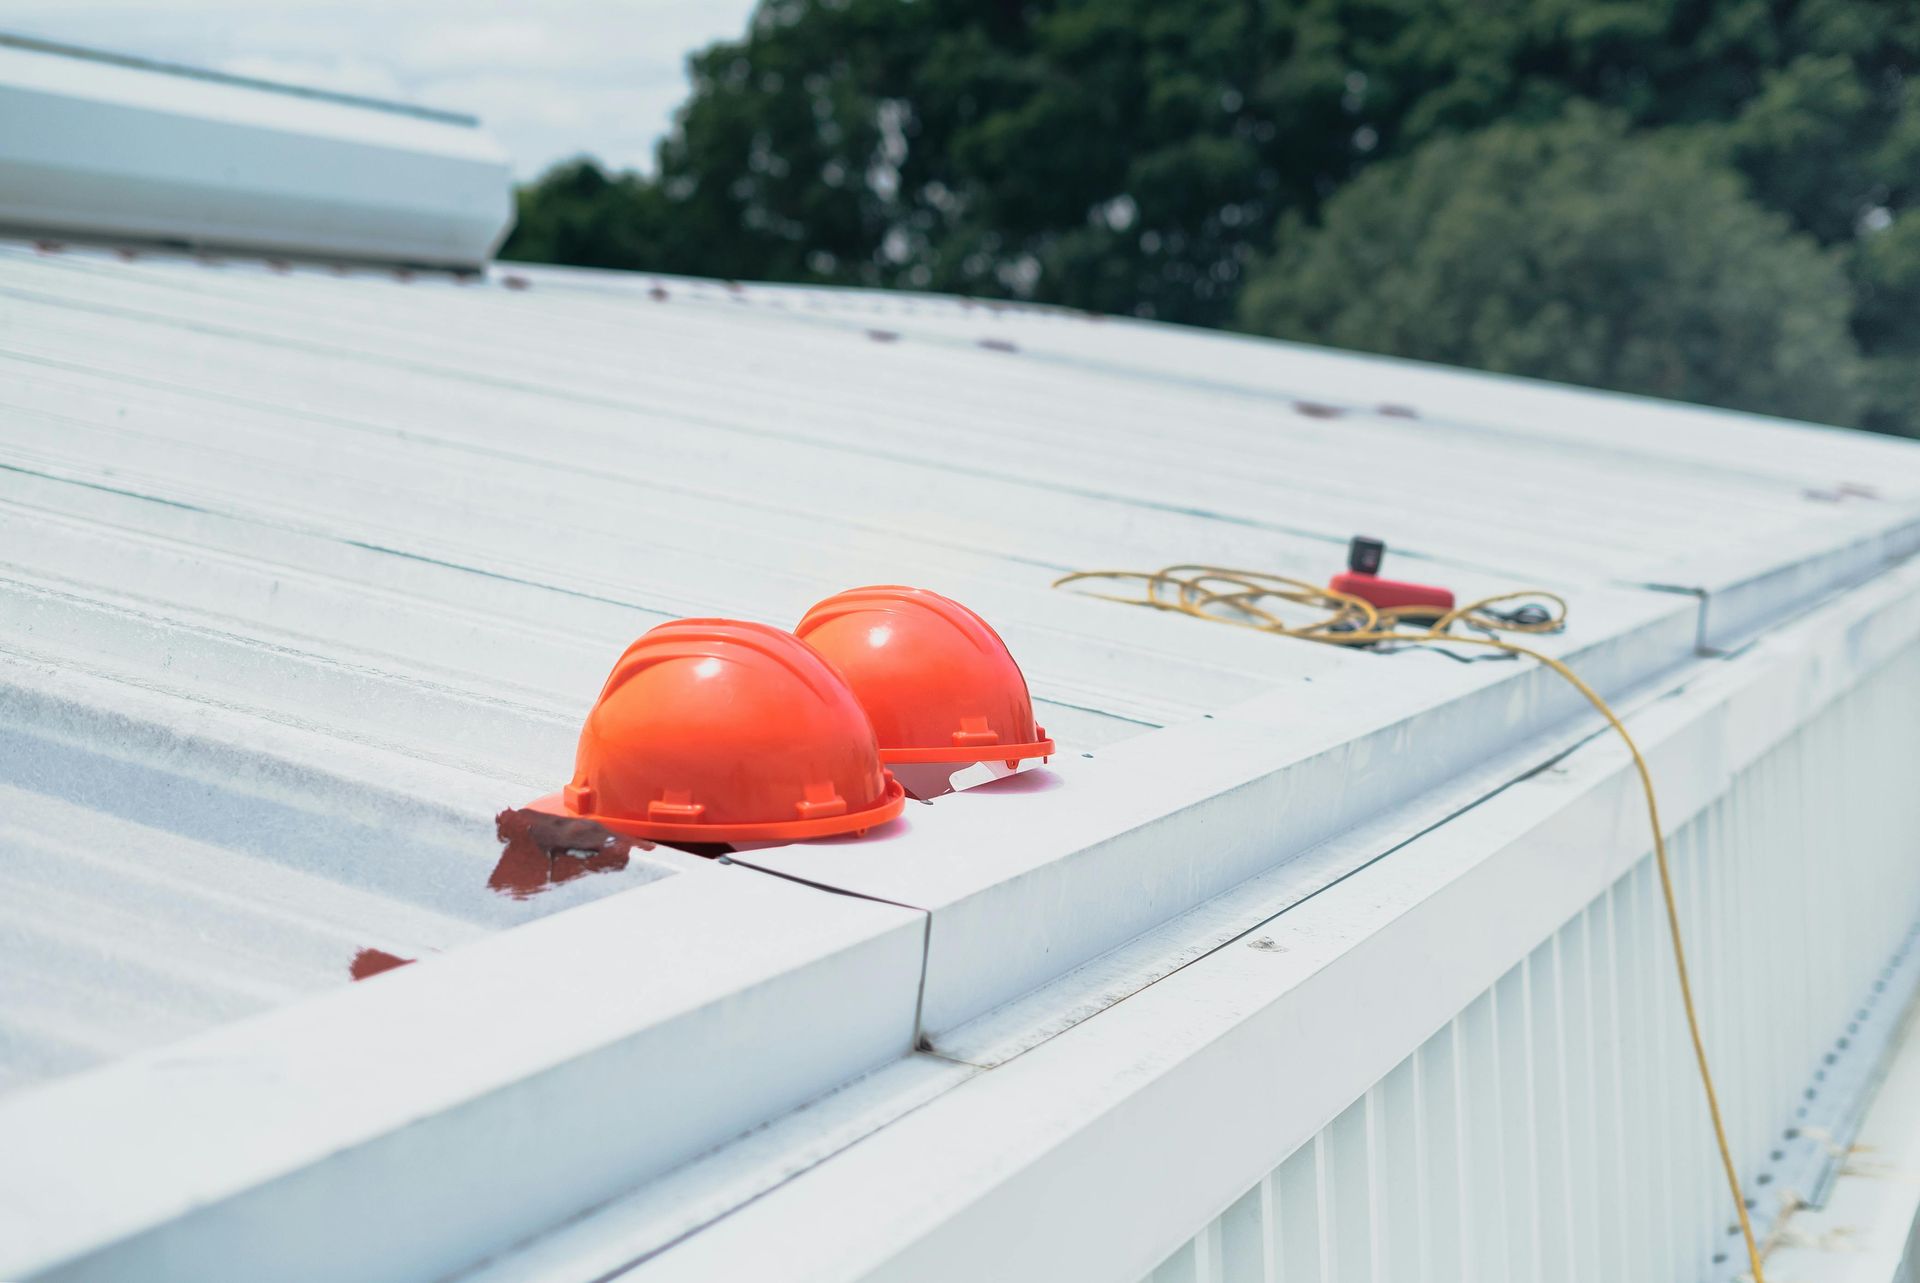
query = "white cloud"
x=551 y=80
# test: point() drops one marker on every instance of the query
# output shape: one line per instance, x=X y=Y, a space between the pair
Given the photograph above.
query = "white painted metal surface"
x=1555 y=1128
x=1550 y=1100
x=96 y=145
x=306 y=574
x=1865 y=1228
x=448 y=1108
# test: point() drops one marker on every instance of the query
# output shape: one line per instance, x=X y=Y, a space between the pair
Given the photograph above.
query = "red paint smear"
x=371 y=962
x=540 y=851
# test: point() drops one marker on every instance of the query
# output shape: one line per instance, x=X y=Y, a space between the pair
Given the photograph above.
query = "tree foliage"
x=1573 y=252
x=1140 y=155
x=577 y=214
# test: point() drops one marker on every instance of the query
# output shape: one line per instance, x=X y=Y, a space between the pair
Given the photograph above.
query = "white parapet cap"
x=102 y=146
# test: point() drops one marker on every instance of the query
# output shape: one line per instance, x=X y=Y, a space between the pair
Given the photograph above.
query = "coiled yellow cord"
x=1222 y=595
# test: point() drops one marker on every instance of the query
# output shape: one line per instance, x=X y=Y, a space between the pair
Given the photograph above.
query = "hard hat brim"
x=889 y=807
x=970 y=753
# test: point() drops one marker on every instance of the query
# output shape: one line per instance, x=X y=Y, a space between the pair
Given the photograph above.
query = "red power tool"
x=1362 y=579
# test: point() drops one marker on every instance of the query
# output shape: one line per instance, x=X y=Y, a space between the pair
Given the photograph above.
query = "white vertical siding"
x=1555 y=1128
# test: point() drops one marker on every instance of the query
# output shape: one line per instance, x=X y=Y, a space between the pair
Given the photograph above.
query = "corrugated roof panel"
x=304 y=575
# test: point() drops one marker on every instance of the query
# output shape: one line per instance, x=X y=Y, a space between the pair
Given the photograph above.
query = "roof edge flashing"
x=121 y=148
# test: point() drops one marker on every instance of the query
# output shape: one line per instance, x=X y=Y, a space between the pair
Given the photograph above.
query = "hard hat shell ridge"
x=935 y=678
x=718 y=730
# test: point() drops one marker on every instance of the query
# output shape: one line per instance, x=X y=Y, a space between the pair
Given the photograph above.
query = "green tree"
x=578 y=214
x=1575 y=252
x=1886 y=320
x=1139 y=155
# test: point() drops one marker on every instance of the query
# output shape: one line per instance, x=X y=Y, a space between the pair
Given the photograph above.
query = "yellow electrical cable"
x=1350 y=621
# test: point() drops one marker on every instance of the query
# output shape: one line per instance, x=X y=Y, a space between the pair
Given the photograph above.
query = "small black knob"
x=1364 y=555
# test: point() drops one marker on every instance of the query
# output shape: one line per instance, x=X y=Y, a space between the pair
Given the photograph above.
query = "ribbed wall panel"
x=1555 y=1129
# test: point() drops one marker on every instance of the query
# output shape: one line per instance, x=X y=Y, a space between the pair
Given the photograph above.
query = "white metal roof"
x=307 y=573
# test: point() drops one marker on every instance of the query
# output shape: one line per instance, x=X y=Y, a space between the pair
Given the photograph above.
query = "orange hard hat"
x=714 y=730
x=935 y=678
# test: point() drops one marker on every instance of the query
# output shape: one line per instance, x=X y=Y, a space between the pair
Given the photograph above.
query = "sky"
x=551 y=80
